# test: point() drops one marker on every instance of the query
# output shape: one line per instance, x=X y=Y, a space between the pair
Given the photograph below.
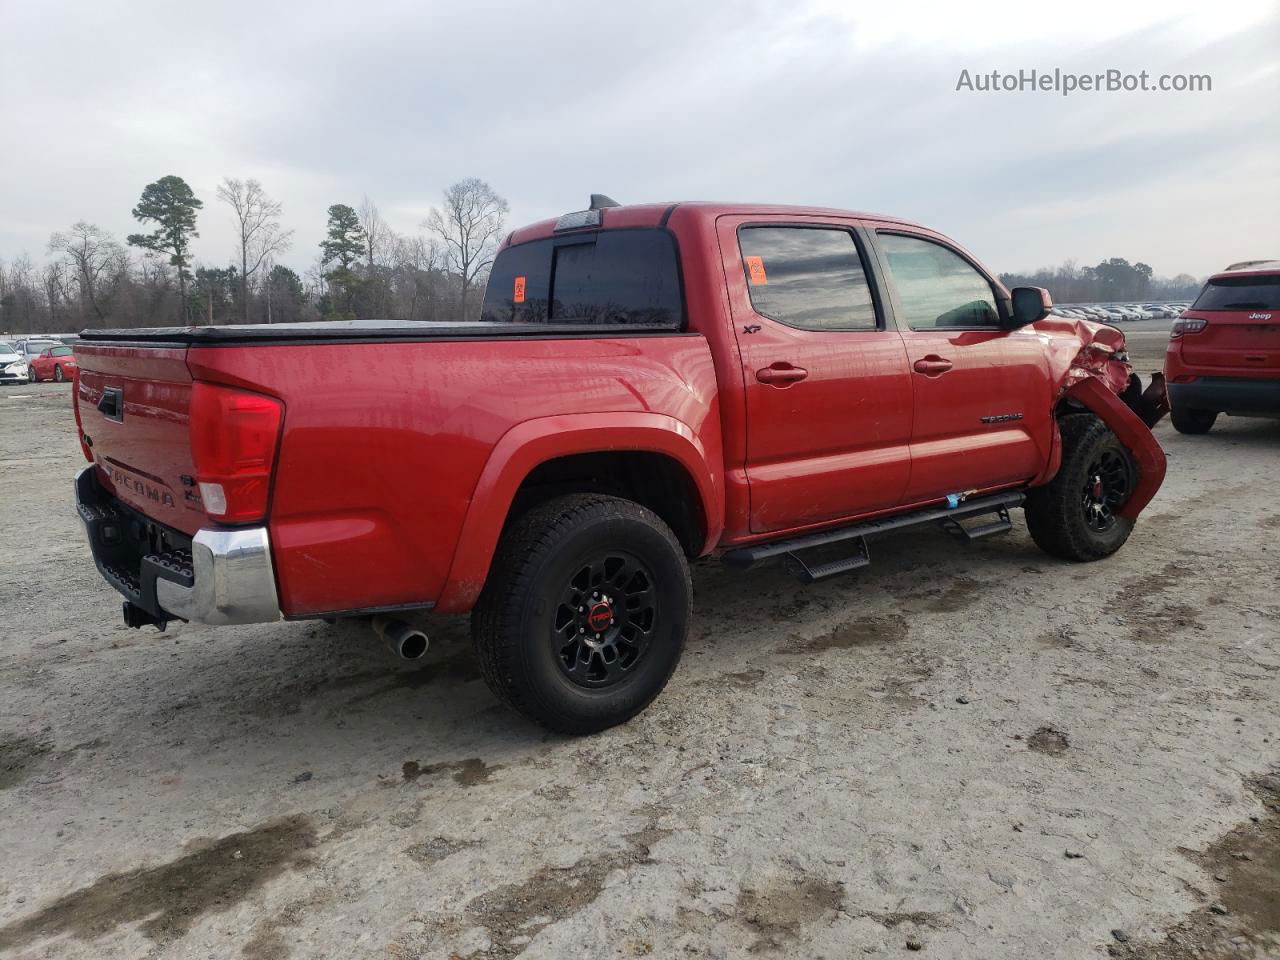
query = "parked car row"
x=1122 y=312
x=32 y=359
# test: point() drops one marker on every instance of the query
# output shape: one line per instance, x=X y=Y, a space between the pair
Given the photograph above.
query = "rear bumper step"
x=855 y=536
x=215 y=577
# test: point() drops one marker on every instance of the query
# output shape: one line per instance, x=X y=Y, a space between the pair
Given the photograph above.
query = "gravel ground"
x=973 y=751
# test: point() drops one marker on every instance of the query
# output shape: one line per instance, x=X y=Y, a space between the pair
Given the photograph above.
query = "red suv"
x=1224 y=351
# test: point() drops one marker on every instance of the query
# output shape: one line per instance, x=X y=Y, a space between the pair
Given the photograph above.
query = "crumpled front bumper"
x=218 y=576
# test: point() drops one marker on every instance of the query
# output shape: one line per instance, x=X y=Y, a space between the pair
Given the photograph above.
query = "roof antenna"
x=599 y=201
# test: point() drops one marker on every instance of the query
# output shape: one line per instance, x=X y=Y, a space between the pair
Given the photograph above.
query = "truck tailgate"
x=133 y=404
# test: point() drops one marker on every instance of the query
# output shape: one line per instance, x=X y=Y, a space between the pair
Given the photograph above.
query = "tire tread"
x=526 y=545
x=1052 y=510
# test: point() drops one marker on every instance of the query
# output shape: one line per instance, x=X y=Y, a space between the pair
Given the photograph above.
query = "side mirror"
x=1029 y=305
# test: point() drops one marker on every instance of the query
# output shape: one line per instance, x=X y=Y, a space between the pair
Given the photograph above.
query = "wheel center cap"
x=600 y=617
x=1097 y=488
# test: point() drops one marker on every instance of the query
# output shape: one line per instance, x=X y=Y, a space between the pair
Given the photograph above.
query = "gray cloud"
x=805 y=103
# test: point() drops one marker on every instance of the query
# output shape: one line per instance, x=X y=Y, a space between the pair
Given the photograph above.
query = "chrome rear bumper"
x=216 y=577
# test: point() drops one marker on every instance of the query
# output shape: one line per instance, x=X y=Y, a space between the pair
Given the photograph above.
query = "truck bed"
x=387 y=430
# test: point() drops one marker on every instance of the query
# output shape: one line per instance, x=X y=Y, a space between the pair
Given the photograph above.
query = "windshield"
x=40 y=346
x=1240 y=293
x=6 y=347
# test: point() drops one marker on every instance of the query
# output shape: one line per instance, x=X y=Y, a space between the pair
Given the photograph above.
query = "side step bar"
x=855 y=535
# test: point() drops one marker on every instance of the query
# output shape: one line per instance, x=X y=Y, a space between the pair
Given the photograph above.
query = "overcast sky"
x=839 y=103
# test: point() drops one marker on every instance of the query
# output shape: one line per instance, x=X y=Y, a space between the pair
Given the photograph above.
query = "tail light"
x=233 y=445
x=1187 y=326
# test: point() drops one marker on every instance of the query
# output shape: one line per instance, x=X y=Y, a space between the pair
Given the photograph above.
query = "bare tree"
x=54 y=279
x=92 y=253
x=259 y=235
x=379 y=248
x=417 y=258
x=378 y=238
x=469 y=228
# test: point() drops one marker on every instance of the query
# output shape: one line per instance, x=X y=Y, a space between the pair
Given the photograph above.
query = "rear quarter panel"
x=384 y=446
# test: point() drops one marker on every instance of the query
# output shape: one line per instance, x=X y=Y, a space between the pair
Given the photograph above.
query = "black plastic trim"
x=213 y=337
x=424 y=606
x=120 y=554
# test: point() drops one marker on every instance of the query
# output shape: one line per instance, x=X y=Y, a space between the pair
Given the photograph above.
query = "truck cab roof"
x=657 y=215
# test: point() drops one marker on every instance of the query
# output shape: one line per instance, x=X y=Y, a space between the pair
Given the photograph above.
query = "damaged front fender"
x=1093 y=394
x=1091 y=367
x=1082 y=349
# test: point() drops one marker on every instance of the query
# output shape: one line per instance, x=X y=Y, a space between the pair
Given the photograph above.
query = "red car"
x=648 y=385
x=1224 y=351
x=52 y=363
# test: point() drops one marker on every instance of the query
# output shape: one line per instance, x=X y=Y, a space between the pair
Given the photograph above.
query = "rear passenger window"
x=937 y=286
x=807 y=277
x=610 y=277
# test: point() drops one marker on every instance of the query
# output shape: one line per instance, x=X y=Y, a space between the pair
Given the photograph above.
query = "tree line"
x=1110 y=281
x=363 y=268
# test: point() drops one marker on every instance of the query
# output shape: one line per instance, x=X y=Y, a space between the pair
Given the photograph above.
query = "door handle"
x=932 y=365
x=781 y=374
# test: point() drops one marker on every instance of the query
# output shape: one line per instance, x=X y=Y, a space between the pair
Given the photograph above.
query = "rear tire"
x=1073 y=516
x=584 y=614
x=1192 y=421
x=31 y=375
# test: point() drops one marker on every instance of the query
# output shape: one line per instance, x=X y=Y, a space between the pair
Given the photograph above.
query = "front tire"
x=57 y=373
x=1192 y=421
x=1074 y=516
x=584 y=615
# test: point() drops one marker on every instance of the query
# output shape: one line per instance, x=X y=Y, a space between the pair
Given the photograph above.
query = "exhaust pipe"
x=406 y=642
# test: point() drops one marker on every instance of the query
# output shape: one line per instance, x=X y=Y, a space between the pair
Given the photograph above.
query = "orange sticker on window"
x=755 y=271
x=518 y=294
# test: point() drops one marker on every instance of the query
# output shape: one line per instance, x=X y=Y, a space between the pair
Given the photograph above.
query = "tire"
x=530 y=626
x=1192 y=421
x=1073 y=516
x=31 y=375
x=57 y=372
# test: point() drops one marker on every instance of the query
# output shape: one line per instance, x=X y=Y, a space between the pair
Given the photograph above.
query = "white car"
x=13 y=365
x=34 y=346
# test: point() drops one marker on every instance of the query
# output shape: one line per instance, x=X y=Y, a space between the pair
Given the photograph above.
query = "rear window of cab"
x=1240 y=293
x=595 y=279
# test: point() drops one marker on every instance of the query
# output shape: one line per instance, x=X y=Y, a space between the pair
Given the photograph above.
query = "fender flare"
x=1133 y=433
x=534 y=442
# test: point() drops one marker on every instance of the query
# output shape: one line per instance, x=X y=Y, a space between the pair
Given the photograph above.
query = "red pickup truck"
x=647 y=384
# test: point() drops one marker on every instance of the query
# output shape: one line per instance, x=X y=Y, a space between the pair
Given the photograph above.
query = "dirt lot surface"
x=969 y=751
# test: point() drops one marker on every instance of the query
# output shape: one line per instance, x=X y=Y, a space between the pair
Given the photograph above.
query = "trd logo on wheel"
x=600 y=617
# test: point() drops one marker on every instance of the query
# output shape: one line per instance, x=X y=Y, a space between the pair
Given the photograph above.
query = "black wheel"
x=584 y=615
x=57 y=372
x=1192 y=421
x=31 y=374
x=1074 y=516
